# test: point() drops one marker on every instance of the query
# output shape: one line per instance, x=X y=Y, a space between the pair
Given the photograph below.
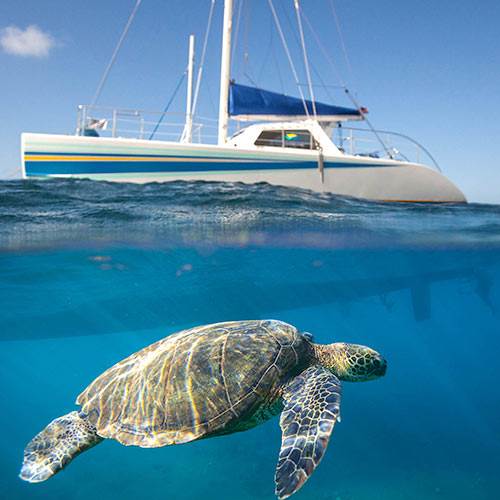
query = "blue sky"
x=429 y=69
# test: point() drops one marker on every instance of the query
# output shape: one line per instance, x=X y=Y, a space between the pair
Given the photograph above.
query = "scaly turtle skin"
x=213 y=380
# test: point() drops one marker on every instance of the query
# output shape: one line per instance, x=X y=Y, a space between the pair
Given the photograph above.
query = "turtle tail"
x=53 y=448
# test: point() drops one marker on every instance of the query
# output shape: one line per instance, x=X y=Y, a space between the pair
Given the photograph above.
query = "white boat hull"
x=141 y=161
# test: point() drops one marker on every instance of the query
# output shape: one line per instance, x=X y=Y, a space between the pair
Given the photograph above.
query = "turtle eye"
x=308 y=336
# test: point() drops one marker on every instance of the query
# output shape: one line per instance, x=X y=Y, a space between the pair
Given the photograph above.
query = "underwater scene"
x=91 y=272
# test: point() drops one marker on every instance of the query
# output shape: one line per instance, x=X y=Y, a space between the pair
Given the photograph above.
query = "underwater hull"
x=141 y=161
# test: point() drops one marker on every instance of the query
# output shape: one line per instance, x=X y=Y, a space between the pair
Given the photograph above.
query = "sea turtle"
x=209 y=381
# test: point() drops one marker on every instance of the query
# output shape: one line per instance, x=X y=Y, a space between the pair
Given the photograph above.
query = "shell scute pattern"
x=193 y=383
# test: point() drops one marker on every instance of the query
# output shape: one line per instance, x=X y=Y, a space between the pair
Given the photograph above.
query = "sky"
x=428 y=69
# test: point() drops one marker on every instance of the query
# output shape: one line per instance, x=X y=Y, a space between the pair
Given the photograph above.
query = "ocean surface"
x=91 y=272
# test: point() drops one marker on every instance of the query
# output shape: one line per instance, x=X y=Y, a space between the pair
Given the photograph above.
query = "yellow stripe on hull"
x=29 y=157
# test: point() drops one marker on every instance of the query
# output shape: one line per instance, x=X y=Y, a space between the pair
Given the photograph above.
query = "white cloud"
x=31 y=42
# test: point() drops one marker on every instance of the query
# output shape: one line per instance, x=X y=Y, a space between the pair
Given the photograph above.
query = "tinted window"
x=270 y=138
x=297 y=139
x=300 y=139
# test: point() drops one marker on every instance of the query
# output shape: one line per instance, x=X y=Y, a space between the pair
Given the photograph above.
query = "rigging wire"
x=202 y=60
x=348 y=92
x=247 y=68
x=315 y=70
x=277 y=66
x=267 y=53
x=115 y=53
x=313 y=67
x=250 y=79
x=246 y=29
x=369 y=123
x=236 y=30
x=323 y=85
x=342 y=42
x=171 y=100
x=287 y=51
x=325 y=52
x=304 y=53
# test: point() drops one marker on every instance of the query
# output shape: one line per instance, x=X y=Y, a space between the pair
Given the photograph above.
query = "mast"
x=225 y=71
x=187 y=135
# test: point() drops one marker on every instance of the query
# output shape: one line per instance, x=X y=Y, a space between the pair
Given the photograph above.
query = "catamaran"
x=289 y=141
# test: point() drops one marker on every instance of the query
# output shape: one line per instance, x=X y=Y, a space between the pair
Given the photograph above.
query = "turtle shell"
x=201 y=381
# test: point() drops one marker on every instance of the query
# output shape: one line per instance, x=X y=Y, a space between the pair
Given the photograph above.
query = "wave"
x=66 y=212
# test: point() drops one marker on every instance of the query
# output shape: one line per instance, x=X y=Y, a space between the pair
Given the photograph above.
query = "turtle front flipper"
x=54 y=447
x=311 y=408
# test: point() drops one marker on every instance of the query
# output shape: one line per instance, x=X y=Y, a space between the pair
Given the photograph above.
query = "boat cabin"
x=304 y=135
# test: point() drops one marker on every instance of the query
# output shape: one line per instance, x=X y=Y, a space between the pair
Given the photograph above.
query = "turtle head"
x=351 y=362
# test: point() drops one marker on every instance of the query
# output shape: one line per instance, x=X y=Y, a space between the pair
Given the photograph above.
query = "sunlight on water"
x=91 y=272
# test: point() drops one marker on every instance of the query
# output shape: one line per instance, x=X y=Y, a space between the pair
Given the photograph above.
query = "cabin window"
x=270 y=138
x=298 y=139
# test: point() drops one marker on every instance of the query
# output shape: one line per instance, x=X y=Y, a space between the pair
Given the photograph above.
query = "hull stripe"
x=73 y=164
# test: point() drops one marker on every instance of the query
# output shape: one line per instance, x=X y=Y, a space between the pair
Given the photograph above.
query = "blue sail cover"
x=251 y=103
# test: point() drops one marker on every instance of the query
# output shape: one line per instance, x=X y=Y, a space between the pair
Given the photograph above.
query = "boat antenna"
x=304 y=53
x=287 y=51
x=115 y=53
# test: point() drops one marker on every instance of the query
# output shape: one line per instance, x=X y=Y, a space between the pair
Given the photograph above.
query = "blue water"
x=91 y=272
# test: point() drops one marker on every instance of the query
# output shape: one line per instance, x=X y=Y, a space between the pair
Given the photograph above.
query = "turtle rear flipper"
x=53 y=448
x=311 y=408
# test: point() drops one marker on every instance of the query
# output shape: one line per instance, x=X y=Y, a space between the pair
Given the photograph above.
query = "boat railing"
x=102 y=121
x=382 y=144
